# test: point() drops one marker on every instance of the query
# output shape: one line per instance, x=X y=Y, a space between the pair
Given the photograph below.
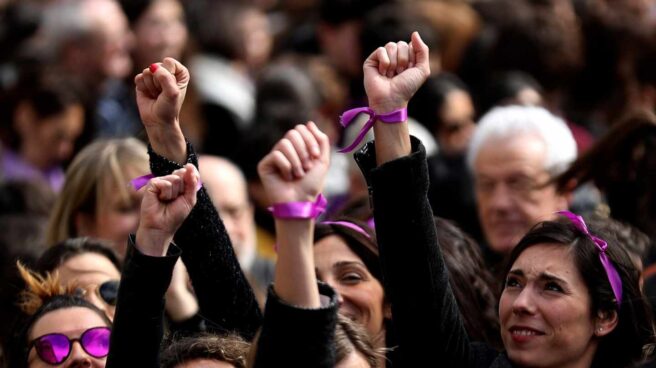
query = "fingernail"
x=153 y=67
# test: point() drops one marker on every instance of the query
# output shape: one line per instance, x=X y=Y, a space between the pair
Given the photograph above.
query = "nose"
x=78 y=358
x=501 y=197
x=524 y=303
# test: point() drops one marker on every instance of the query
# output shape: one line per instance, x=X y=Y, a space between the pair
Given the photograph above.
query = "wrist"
x=168 y=142
x=385 y=107
x=152 y=242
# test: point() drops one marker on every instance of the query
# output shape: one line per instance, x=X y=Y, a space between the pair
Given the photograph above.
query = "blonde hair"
x=97 y=169
x=39 y=289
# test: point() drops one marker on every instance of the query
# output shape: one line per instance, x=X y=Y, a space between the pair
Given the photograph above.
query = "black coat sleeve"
x=138 y=323
x=298 y=337
x=225 y=298
x=425 y=316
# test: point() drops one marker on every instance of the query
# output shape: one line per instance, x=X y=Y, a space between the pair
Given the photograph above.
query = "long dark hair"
x=633 y=337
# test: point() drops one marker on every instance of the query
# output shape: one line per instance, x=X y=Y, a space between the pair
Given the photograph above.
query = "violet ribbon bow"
x=602 y=245
x=397 y=116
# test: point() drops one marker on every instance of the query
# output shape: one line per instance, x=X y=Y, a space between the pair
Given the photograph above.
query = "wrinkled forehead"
x=501 y=156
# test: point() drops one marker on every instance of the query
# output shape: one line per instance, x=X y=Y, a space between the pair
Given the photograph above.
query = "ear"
x=605 y=323
x=85 y=224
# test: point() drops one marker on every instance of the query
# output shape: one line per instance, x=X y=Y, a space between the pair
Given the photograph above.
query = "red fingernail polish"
x=153 y=67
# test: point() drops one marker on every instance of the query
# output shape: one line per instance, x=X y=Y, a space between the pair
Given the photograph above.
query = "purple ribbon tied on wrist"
x=602 y=245
x=397 y=116
x=300 y=210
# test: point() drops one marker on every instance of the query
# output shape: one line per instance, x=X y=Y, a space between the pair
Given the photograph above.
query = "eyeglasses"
x=108 y=291
x=55 y=348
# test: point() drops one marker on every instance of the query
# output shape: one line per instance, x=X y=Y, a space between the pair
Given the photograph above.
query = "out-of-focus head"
x=44 y=117
x=443 y=105
x=628 y=174
x=393 y=22
x=514 y=154
x=88 y=39
x=206 y=351
x=354 y=347
x=512 y=88
x=90 y=266
x=558 y=305
x=226 y=186
x=54 y=318
x=97 y=199
x=347 y=260
x=159 y=28
x=238 y=31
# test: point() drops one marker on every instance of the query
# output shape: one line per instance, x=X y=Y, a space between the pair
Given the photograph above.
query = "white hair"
x=511 y=121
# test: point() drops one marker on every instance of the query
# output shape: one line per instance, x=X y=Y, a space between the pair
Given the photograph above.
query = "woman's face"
x=71 y=322
x=160 y=32
x=116 y=218
x=361 y=296
x=545 y=310
x=90 y=272
x=457 y=116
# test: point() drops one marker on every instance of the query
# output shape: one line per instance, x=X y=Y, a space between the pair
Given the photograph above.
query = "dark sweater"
x=426 y=320
x=298 y=337
x=227 y=303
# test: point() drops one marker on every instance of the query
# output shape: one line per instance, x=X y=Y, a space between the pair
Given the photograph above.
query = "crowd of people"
x=327 y=183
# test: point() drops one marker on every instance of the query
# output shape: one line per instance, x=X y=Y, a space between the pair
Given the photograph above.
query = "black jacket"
x=426 y=321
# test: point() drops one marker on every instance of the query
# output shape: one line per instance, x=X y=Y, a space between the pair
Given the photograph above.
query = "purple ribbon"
x=141 y=181
x=397 y=116
x=602 y=245
x=299 y=210
x=350 y=225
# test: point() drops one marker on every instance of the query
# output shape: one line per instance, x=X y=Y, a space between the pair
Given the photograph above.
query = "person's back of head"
x=622 y=164
x=196 y=351
x=542 y=38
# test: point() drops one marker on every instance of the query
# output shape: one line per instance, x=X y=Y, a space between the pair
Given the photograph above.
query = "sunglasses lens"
x=53 y=349
x=95 y=341
x=109 y=291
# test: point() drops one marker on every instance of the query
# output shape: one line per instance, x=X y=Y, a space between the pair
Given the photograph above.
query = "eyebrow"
x=546 y=276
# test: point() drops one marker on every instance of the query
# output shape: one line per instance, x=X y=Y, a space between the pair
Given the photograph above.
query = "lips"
x=522 y=334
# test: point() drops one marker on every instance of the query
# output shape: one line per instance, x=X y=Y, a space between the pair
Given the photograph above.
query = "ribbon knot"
x=397 y=116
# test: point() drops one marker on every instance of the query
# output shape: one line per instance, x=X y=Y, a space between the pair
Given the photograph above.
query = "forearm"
x=224 y=296
x=138 y=323
x=295 y=279
x=392 y=141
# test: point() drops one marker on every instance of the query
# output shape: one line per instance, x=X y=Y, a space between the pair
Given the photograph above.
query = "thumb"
x=191 y=180
x=421 y=53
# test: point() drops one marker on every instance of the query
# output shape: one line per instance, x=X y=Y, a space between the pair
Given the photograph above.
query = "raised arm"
x=226 y=300
x=426 y=320
x=298 y=329
x=138 y=322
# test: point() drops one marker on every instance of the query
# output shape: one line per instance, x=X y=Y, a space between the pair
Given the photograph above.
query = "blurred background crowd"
x=72 y=139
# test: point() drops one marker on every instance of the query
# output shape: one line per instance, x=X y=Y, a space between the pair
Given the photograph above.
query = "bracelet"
x=299 y=210
x=396 y=116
